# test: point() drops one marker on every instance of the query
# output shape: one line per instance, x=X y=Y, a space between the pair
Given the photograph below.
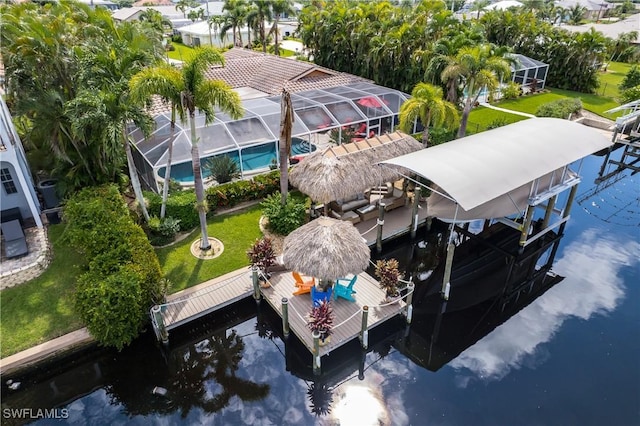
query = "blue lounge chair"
x=345 y=291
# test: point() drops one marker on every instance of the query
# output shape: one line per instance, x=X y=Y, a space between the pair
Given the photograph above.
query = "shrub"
x=389 y=274
x=321 y=319
x=511 y=91
x=162 y=231
x=180 y=205
x=232 y=193
x=223 y=168
x=561 y=108
x=631 y=94
x=262 y=255
x=498 y=122
x=439 y=135
x=176 y=38
x=124 y=277
x=111 y=307
x=283 y=219
x=632 y=79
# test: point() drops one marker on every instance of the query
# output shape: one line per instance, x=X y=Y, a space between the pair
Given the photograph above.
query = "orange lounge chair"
x=303 y=286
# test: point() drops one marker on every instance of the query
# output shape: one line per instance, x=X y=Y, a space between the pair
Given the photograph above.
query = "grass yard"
x=481 y=117
x=611 y=79
x=182 y=52
x=237 y=232
x=42 y=309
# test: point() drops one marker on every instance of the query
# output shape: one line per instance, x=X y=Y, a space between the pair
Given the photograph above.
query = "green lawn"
x=42 y=309
x=182 y=52
x=611 y=79
x=480 y=118
x=236 y=231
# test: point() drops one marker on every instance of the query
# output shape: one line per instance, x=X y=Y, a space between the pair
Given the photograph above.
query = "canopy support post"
x=549 y=210
x=524 y=232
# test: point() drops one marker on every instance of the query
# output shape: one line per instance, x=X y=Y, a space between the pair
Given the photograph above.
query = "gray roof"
x=479 y=168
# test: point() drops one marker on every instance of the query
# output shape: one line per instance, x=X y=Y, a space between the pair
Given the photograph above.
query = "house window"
x=7 y=181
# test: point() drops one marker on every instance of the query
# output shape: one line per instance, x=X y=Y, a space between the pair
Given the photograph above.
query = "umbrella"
x=343 y=171
x=326 y=248
x=372 y=102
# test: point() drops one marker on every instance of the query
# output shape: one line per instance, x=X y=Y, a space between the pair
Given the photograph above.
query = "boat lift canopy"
x=497 y=172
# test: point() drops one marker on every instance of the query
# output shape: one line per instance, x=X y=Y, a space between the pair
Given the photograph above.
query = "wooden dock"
x=396 y=222
x=348 y=315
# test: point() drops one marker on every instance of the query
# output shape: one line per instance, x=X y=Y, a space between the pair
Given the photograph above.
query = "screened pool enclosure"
x=252 y=141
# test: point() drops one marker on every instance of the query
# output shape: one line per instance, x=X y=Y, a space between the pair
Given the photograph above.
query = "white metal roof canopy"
x=479 y=168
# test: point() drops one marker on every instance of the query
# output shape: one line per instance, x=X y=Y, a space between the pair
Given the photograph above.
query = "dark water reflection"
x=564 y=351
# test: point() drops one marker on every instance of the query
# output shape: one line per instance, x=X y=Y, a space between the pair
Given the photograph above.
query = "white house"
x=200 y=34
x=18 y=199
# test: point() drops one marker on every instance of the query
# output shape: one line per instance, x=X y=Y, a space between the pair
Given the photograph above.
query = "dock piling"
x=256 y=283
x=364 y=334
x=316 y=353
x=158 y=325
x=381 y=207
x=414 y=211
x=525 y=227
x=551 y=204
x=410 y=287
x=446 y=280
x=285 y=316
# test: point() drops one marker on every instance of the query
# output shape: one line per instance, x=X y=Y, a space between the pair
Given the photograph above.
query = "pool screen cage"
x=252 y=141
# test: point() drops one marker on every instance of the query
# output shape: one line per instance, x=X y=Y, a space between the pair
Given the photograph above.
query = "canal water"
x=563 y=349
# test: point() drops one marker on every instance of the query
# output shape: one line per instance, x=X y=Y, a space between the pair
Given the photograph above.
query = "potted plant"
x=262 y=256
x=321 y=320
x=389 y=274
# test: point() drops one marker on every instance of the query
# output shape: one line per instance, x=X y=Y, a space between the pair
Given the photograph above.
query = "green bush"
x=511 y=91
x=111 y=307
x=162 y=231
x=438 y=135
x=631 y=94
x=498 y=122
x=232 y=193
x=283 y=219
x=124 y=278
x=222 y=168
x=180 y=205
x=632 y=79
x=561 y=108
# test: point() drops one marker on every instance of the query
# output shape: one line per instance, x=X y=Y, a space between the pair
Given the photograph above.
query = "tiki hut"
x=326 y=248
x=342 y=171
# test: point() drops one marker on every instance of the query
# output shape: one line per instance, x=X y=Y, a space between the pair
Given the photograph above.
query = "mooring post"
x=410 y=288
x=380 y=225
x=256 y=283
x=364 y=334
x=363 y=358
x=446 y=286
x=285 y=316
x=551 y=204
x=414 y=211
x=567 y=208
x=525 y=227
x=316 y=352
x=161 y=331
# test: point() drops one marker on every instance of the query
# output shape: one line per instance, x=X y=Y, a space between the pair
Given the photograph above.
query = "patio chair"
x=15 y=243
x=303 y=286
x=345 y=291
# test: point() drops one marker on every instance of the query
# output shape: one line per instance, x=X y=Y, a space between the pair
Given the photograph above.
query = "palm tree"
x=195 y=92
x=478 y=6
x=286 y=124
x=234 y=17
x=279 y=7
x=576 y=13
x=426 y=103
x=263 y=13
x=476 y=68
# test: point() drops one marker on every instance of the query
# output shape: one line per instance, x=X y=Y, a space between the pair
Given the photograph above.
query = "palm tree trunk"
x=277 y=50
x=462 y=131
x=264 y=38
x=167 y=172
x=199 y=186
x=425 y=132
x=133 y=174
x=286 y=123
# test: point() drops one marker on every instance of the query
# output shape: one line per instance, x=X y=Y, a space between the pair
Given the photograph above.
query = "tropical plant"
x=476 y=68
x=562 y=108
x=196 y=92
x=631 y=79
x=283 y=218
x=321 y=319
x=576 y=14
x=478 y=6
x=631 y=94
x=511 y=90
x=278 y=9
x=183 y=5
x=262 y=255
x=389 y=274
x=284 y=143
x=234 y=18
x=341 y=136
x=426 y=104
x=223 y=168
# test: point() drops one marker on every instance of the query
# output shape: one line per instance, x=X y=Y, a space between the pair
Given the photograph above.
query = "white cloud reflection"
x=592 y=286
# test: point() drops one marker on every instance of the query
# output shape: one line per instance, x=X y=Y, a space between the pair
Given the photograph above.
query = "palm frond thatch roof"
x=326 y=248
x=345 y=170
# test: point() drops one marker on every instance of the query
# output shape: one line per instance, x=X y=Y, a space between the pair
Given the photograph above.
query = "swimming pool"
x=253 y=158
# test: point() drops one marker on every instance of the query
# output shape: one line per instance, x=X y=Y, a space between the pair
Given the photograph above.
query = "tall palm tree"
x=427 y=104
x=279 y=8
x=196 y=92
x=476 y=68
x=263 y=13
x=234 y=18
x=286 y=124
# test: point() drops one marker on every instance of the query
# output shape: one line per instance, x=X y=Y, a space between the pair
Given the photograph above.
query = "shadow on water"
x=200 y=367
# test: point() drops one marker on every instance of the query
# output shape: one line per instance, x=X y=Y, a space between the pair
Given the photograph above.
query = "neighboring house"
x=18 y=199
x=594 y=9
x=200 y=34
x=127 y=14
x=101 y=3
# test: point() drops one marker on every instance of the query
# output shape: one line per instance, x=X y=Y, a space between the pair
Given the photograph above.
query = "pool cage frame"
x=316 y=112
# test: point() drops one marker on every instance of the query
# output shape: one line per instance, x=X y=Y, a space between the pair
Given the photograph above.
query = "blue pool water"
x=253 y=158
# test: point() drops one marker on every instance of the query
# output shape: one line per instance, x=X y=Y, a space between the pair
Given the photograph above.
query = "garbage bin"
x=47 y=189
